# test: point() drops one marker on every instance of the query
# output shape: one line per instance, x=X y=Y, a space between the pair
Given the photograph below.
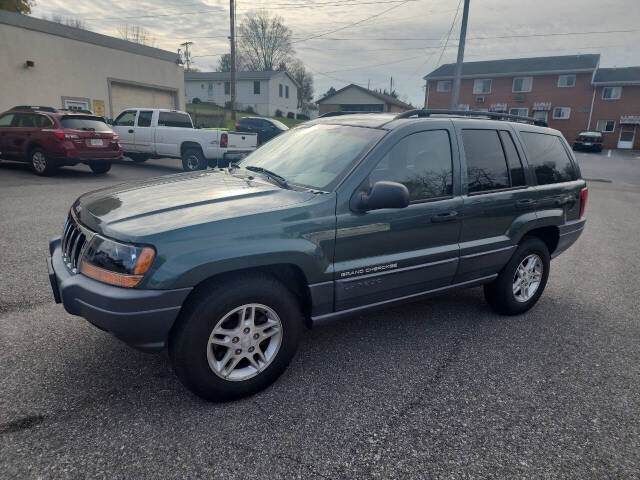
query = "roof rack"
x=420 y=113
x=340 y=112
x=35 y=107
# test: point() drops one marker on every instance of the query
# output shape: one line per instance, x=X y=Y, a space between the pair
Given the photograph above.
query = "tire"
x=192 y=354
x=500 y=293
x=138 y=158
x=193 y=159
x=100 y=168
x=40 y=162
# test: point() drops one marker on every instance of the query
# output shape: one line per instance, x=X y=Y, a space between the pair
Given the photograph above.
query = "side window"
x=548 y=158
x=25 y=120
x=5 y=120
x=486 y=163
x=421 y=162
x=174 y=119
x=516 y=172
x=125 y=119
x=42 y=121
x=144 y=118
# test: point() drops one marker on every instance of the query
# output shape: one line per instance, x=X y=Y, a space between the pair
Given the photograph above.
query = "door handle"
x=445 y=217
x=131 y=130
x=525 y=203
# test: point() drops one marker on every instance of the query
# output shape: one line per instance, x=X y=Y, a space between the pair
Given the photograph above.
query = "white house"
x=46 y=63
x=264 y=92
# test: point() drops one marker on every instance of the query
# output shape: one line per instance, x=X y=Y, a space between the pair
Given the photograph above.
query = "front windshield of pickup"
x=316 y=156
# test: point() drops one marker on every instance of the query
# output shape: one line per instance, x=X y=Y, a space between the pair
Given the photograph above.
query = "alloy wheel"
x=527 y=278
x=39 y=161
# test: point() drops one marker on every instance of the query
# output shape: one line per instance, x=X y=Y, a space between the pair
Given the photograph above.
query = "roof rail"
x=340 y=112
x=35 y=107
x=471 y=113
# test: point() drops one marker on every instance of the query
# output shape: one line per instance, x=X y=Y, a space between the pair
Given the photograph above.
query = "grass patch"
x=228 y=124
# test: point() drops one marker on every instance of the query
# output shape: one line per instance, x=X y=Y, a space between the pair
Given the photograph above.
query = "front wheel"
x=42 y=165
x=100 y=168
x=193 y=159
x=522 y=281
x=236 y=338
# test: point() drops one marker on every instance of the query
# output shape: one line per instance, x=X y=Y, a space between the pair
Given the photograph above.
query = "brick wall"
x=628 y=104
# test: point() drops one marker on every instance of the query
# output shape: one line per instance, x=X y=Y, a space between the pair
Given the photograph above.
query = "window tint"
x=144 y=118
x=486 y=164
x=42 y=121
x=174 y=119
x=5 y=120
x=83 y=122
x=421 y=162
x=548 y=158
x=286 y=91
x=25 y=120
x=125 y=119
x=516 y=172
x=256 y=88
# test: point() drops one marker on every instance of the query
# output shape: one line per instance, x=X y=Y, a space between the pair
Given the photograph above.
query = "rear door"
x=170 y=132
x=143 y=135
x=497 y=196
x=124 y=125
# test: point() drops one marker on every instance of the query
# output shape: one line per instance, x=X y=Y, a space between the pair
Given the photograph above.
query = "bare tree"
x=136 y=34
x=70 y=21
x=304 y=79
x=18 y=6
x=264 y=41
x=224 y=63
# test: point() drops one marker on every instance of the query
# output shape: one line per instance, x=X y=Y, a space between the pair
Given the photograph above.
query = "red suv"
x=48 y=138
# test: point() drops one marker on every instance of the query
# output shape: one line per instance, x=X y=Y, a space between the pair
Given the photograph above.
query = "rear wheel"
x=41 y=164
x=100 y=167
x=138 y=157
x=193 y=159
x=522 y=281
x=237 y=338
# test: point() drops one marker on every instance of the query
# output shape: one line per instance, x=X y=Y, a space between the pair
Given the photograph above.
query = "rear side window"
x=25 y=120
x=486 y=163
x=422 y=163
x=92 y=124
x=174 y=119
x=144 y=118
x=42 y=121
x=516 y=172
x=548 y=158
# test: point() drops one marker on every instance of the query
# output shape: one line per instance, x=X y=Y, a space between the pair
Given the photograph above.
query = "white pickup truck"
x=155 y=133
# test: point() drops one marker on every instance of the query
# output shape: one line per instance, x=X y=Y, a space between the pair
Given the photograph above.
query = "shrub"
x=290 y=115
x=249 y=109
x=227 y=105
x=302 y=116
x=278 y=113
x=196 y=100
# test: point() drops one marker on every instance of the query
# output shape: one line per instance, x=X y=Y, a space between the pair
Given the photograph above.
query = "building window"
x=522 y=84
x=521 y=112
x=540 y=115
x=482 y=86
x=443 y=86
x=227 y=88
x=611 y=93
x=202 y=86
x=280 y=90
x=256 y=88
x=606 y=126
x=566 y=81
x=286 y=91
x=561 y=113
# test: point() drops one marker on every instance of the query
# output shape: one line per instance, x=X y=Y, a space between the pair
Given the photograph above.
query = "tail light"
x=237 y=126
x=115 y=138
x=599 y=139
x=224 y=140
x=584 y=195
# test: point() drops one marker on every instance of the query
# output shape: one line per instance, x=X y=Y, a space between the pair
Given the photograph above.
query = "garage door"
x=126 y=96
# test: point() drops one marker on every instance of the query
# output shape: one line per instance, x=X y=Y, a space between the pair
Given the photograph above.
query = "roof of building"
x=81 y=35
x=564 y=63
x=625 y=75
x=380 y=96
x=226 y=76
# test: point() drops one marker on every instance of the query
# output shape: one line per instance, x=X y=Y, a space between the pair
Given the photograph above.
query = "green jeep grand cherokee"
x=338 y=215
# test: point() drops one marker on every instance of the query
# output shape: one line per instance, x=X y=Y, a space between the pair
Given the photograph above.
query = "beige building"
x=46 y=63
x=354 y=98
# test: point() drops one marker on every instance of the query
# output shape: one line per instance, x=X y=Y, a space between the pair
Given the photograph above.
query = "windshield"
x=279 y=124
x=315 y=156
x=83 y=122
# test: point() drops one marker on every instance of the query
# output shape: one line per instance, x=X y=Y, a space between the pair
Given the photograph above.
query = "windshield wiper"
x=278 y=179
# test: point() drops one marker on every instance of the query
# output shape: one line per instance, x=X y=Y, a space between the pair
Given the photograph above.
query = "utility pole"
x=187 y=55
x=463 y=35
x=232 y=38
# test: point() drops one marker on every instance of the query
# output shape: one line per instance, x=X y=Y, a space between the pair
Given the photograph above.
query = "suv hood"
x=132 y=211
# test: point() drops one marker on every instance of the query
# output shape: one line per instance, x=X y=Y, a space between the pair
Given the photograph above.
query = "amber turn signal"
x=112 y=278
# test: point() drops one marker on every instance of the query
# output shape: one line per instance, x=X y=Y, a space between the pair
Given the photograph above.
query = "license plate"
x=588 y=144
x=97 y=142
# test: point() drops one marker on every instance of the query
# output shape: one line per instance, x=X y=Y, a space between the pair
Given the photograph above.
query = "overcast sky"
x=404 y=39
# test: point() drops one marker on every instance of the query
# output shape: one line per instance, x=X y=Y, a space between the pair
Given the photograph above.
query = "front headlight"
x=116 y=263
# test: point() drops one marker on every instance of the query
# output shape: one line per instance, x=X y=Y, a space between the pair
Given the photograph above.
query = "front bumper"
x=140 y=318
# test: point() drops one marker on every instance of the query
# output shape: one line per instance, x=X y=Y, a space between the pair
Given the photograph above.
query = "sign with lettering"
x=98 y=108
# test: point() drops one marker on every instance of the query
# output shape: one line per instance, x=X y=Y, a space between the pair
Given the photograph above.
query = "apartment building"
x=569 y=92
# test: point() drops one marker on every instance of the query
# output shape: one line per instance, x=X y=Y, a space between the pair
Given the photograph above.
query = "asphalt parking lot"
x=443 y=388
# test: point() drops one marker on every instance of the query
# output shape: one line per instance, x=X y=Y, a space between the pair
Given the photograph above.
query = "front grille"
x=74 y=239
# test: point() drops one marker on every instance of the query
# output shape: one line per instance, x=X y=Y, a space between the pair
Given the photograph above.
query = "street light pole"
x=463 y=35
x=232 y=19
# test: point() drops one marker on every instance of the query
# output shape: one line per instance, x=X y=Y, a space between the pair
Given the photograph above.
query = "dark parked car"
x=266 y=128
x=336 y=216
x=48 y=138
x=588 y=140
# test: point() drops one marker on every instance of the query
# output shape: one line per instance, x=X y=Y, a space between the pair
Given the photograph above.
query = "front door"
x=393 y=253
x=124 y=125
x=627 y=134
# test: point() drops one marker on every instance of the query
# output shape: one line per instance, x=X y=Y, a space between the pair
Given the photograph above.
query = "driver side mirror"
x=383 y=194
